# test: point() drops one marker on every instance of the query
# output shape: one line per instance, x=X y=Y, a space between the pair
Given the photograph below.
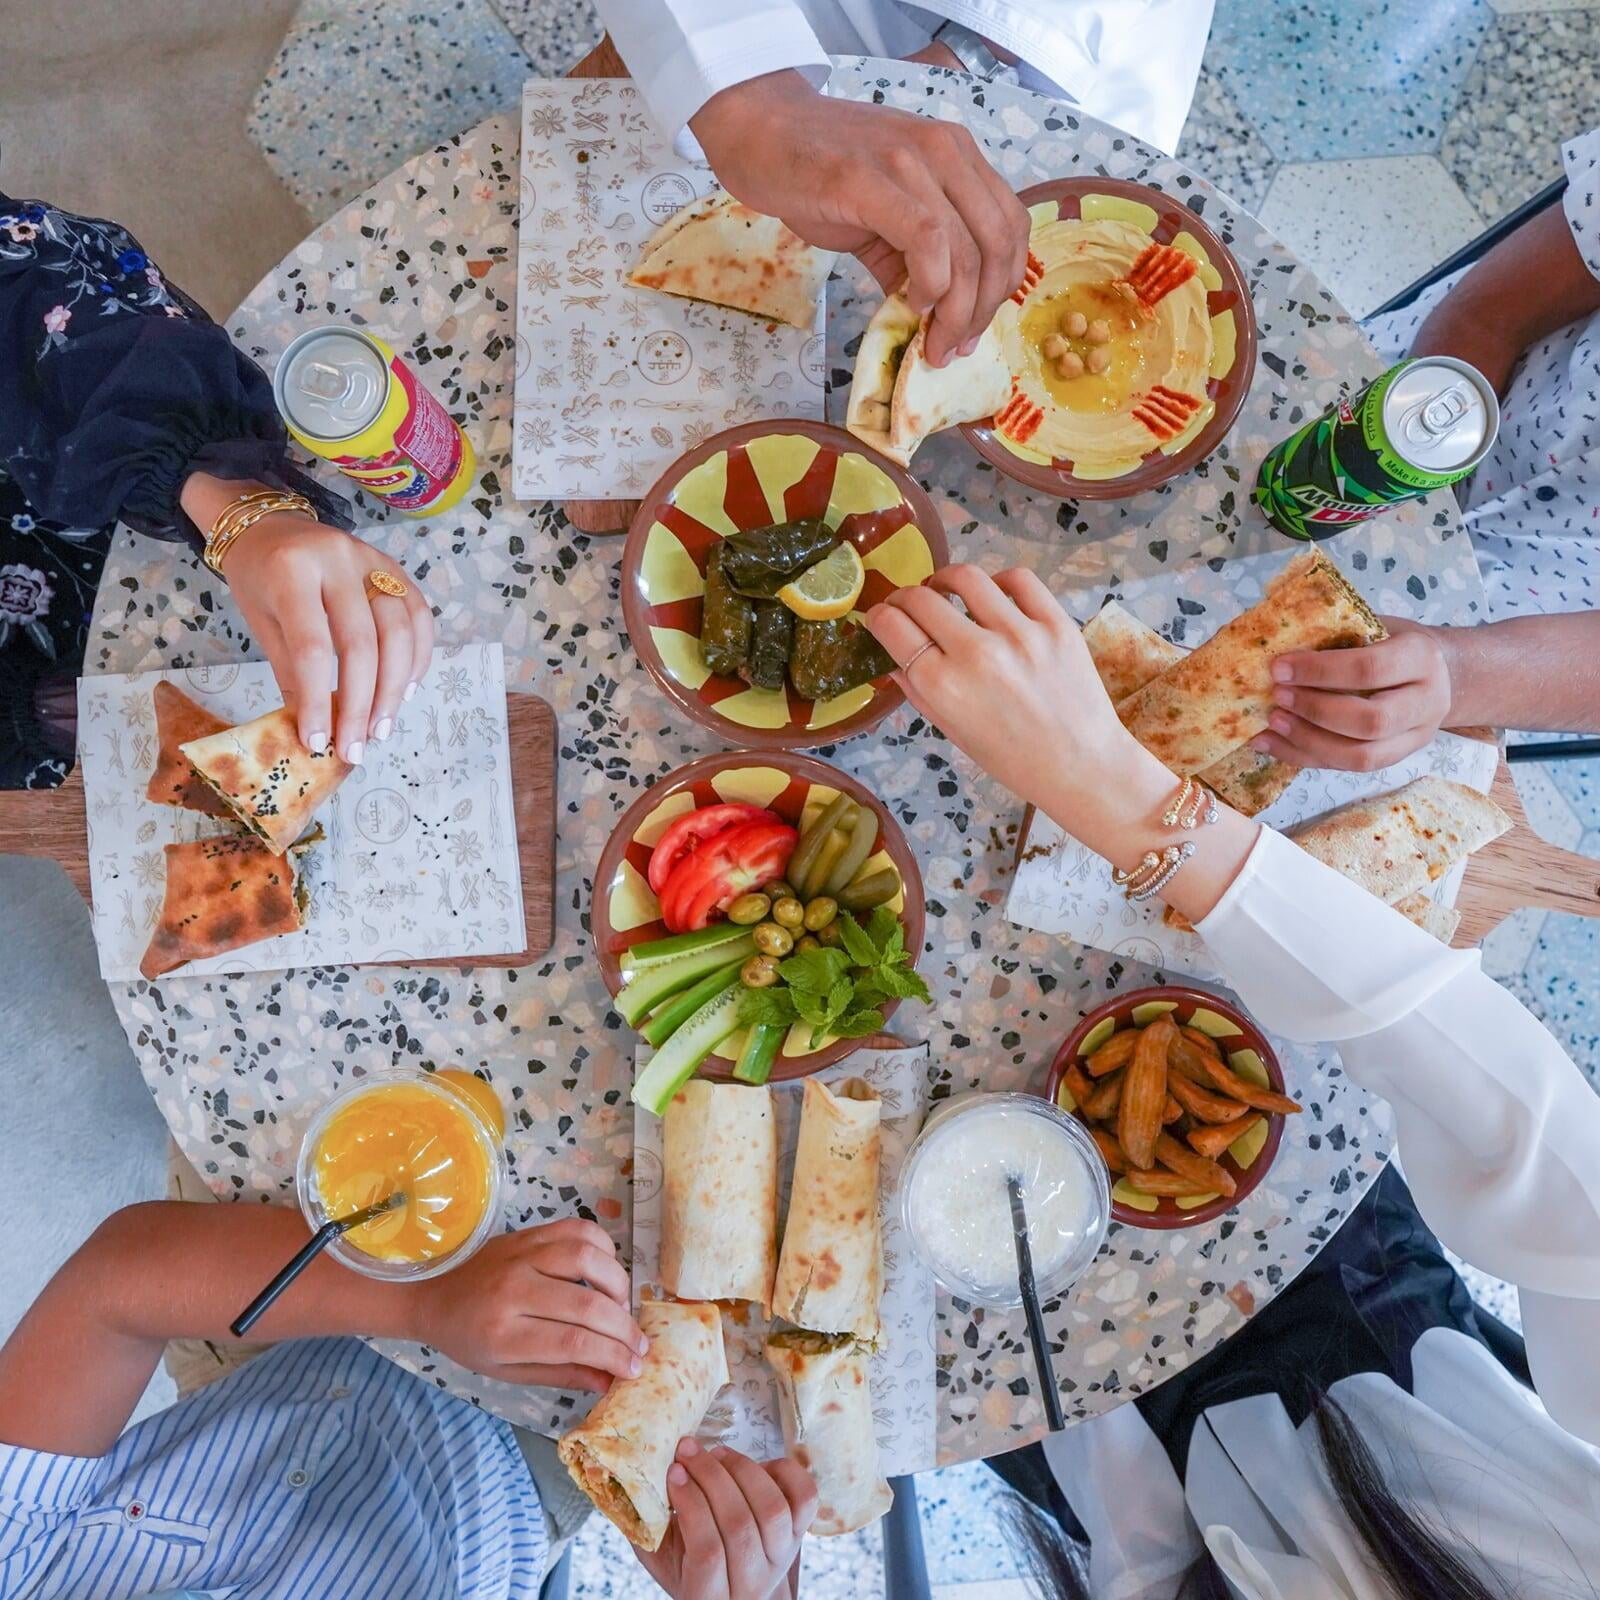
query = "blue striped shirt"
x=319 y=1469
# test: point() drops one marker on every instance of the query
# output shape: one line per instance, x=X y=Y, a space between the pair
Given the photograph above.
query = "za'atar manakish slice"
x=720 y=251
x=825 y=1400
x=1219 y=696
x=719 y=1215
x=830 y=1271
x=266 y=777
x=620 y=1453
x=174 y=782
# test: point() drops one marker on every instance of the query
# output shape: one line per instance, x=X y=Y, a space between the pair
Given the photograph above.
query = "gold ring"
x=381 y=582
x=917 y=655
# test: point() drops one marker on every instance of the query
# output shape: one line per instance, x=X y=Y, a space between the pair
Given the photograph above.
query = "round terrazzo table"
x=427 y=259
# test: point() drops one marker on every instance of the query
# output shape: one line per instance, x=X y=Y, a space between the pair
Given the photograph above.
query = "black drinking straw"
x=1030 y=1302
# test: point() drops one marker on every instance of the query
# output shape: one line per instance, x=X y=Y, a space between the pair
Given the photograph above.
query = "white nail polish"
x=353 y=752
x=317 y=743
x=411 y=690
x=383 y=730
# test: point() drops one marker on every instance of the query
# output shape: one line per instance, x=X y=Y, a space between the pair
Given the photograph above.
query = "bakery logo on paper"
x=813 y=360
x=663 y=357
x=383 y=815
x=664 y=196
x=212 y=680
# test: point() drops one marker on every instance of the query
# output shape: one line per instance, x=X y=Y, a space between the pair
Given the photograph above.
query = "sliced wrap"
x=174 y=782
x=619 y=1454
x=222 y=894
x=719 y=1219
x=1128 y=655
x=720 y=251
x=266 y=777
x=825 y=1397
x=1218 y=697
x=830 y=1272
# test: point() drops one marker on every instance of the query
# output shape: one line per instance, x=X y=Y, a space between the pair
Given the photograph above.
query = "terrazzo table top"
x=427 y=259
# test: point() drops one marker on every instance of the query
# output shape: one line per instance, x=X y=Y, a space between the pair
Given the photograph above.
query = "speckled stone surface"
x=1220 y=141
x=1341 y=214
x=359 y=85
x=1535 y=82
x=427 y=258
x=1357 y=78
x=552 y=35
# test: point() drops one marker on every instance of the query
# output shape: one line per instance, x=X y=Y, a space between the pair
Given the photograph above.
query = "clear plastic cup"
x=955 y=1204
x=451 y=1103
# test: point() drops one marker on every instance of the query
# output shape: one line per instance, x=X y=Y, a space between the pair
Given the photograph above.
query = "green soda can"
x=1421 y=426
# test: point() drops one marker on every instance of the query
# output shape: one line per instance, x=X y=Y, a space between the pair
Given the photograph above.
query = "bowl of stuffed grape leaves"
x=749 y=568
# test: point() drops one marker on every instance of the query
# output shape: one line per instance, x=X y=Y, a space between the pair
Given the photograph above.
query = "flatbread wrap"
x=174 y=782
x=825 y=1399
x=1219 y=696
x=222 y=894
x=1430 y=916
x=619 y=1454
x=266 y=777
x=830 y=1270
x=1127 y=654
x=719 y=1216
x=720 y=251
x=878 y=358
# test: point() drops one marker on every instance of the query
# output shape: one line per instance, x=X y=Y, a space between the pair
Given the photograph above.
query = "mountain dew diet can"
x=1423 y=425
x=347 y=397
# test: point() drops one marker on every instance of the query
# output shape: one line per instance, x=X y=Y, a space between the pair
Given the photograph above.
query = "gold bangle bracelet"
x=245 y=512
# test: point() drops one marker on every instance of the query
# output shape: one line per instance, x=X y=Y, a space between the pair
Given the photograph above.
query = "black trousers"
x=1378 y=1285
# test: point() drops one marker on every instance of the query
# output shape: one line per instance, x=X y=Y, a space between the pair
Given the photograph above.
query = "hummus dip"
x=1129 y=352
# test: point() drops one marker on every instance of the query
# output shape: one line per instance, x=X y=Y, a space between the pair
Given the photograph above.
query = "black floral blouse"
x=114 y=387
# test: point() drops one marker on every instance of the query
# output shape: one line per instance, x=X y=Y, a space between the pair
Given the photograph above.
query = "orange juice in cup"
x=436 y=1138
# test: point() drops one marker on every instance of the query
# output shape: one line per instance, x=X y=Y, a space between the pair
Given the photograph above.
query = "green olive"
x=771 y=940
x=749 y=908
x=820 y=912
x=807 y=941
x=788 y=912
x=778 y=889
x=759 y=972
x=830 y=934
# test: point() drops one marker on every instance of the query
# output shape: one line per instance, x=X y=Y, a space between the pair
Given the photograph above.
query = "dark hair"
x=1413 y=1560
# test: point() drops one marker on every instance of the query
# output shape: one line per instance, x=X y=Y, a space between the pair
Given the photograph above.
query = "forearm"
x=1527 y=672
x=76 y=1365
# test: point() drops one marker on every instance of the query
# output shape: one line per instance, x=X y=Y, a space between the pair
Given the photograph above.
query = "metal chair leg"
x=905 y=1567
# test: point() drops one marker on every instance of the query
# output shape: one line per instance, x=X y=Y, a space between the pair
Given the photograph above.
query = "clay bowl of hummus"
x=1131 y=348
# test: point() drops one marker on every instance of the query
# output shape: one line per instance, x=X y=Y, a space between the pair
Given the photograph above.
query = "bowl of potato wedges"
x=1183 y=1097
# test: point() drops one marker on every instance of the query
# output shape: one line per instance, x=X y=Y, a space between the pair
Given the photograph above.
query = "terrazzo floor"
x=1374 y=137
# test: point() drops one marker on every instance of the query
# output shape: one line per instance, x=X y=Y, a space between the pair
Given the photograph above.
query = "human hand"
x=302 y=589
x=546 y=1305
x=736 y=1528
x=1360 y=709
x=912 y=197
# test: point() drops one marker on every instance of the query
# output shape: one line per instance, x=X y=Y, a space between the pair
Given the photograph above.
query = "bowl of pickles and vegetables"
x=748 y=570
x=756 y=915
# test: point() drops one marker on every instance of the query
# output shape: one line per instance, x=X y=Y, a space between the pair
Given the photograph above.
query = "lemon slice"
x=829 y=588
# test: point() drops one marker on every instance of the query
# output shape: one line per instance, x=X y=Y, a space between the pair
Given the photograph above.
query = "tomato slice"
x=688 y=833
x=730 y=864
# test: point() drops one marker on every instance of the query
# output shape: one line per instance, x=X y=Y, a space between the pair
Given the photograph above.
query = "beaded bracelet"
x=1154 y=872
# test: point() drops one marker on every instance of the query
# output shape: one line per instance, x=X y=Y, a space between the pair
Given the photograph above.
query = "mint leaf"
x=774 y=1006
x=812 y=1008
x=839 y=997
x=858 y=1024
x=883 y=928
x=857 y=943
x=814 y=971
x=902 y=983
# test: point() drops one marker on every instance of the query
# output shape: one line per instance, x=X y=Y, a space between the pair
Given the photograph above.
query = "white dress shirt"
x=1132 y=63
x=1500 y=1138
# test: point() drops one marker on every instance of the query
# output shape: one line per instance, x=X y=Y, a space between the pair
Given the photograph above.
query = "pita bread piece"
x=222 y=894
x=883 y=348
x=1430 y=916
x=266 y=777
x=720 y=251
x=174 y=782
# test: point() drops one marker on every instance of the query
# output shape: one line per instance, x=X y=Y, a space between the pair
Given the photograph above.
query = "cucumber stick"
x=640 y=957
x=760 y=1051
x=675 y=1062
x=648 y=988
x=665 y=1022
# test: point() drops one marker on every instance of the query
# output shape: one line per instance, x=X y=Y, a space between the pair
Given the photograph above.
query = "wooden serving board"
x=51 y=823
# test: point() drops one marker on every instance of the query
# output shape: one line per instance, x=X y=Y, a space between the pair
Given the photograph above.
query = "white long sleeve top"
x=1499 y=1134
x=1132 y=63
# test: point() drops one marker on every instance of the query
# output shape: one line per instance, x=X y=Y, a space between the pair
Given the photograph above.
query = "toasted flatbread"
x=882 y=350
x=720 y=251
x=222 y=893
x=1128 y=655
x=174 y=782
x=1219 y=696
x=266 y=777
x=1430 y=916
